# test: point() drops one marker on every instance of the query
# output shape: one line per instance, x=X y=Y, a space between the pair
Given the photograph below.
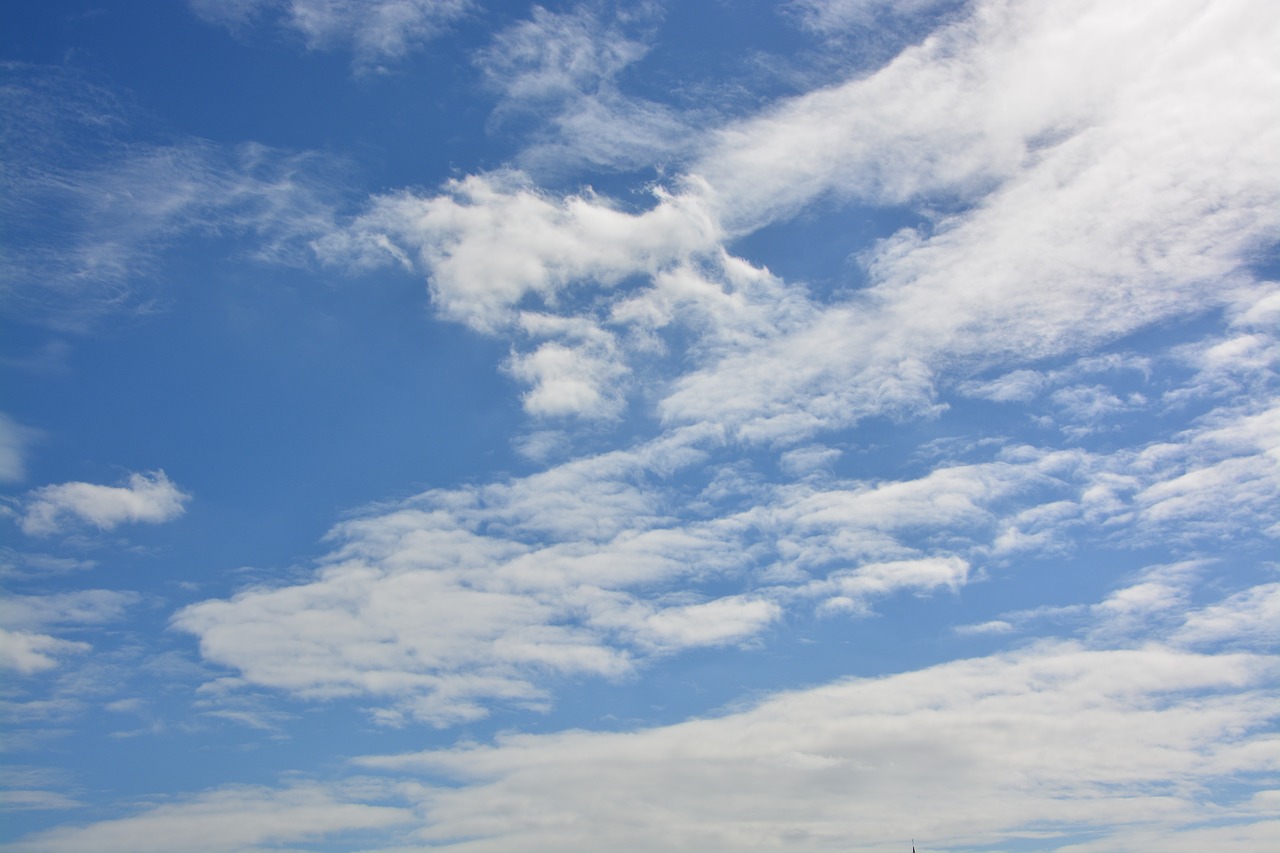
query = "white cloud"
x=1222 y=479
x=231 y=818
x=439 y=607
x=14 y=438
x=89 y=211
x=1017 y=386
x=376 y=31
x=850 y=590
x=838 y=16
x=1251 y=617
x=18 y=564
x=994 y=626
x=562 y=68
x=26 y=652
x=23 y=618
x=494 y=240
x=1126 y=741
x=1031 y=119
x=442 y=605
x=582 y=376
x=806 y=460
x=30 y=800
x=147 y=498
x=82 y=607
x=1056 y=739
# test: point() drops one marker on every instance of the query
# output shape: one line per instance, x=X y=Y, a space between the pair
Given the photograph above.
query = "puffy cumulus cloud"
x=376 y=31
x=580 y=374
x=232 y=818
x=149 y=498
x=1119 y=743
x=492 y=241
x=88 y=209
x=506 y=258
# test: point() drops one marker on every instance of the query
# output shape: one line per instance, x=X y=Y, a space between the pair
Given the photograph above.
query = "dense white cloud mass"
x=1125 y=738
x=1059 y=737
x=148 y=498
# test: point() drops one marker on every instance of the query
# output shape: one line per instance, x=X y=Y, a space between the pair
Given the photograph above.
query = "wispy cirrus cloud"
x=375 y=31
x=562 y=70
x=14 y=438
x=25 y=648
x=89 y=209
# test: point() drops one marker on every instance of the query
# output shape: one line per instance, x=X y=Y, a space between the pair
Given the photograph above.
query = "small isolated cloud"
x=994 y=626
x=14 y=438
x=808 y=460
x=149 y=498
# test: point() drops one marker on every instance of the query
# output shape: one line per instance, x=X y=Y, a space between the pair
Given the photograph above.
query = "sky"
x=819 y=425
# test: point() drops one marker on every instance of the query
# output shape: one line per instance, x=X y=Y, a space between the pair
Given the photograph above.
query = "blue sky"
x=800 y=426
